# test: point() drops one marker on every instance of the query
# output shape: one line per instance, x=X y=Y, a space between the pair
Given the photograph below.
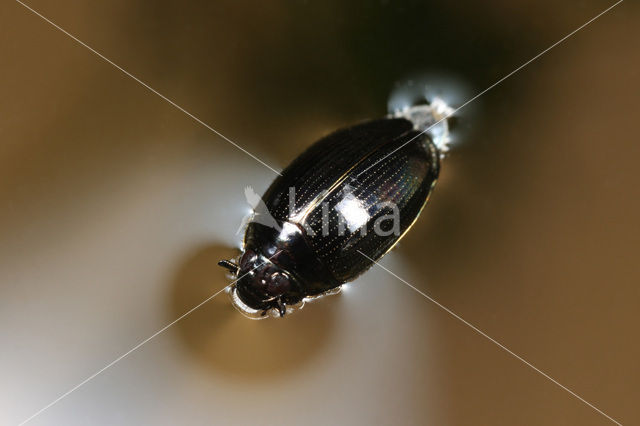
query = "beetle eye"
x=247 y=258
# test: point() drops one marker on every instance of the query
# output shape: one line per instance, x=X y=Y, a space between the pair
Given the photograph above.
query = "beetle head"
x=263 y=285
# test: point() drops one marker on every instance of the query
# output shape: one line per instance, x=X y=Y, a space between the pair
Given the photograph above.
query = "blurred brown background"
x=115 y=206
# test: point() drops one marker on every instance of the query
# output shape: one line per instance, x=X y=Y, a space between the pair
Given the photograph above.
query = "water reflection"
x=227 y=342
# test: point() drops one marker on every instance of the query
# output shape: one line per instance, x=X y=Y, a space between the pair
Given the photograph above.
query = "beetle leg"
x=282 y=309
x=229 y=264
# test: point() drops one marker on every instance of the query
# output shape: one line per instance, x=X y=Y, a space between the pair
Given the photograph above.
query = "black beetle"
x=328 y=210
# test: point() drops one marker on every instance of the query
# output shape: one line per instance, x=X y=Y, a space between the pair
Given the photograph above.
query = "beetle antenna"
x=229 y=264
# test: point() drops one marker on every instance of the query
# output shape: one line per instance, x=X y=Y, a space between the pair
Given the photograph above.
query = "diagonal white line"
x=120 y=358
x=145 y=85
x=112 y=363
x=494 y=341
x=497 y=82
x=275 y=171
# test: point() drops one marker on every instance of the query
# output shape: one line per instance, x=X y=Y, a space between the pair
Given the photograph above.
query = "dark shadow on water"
x=229 y=343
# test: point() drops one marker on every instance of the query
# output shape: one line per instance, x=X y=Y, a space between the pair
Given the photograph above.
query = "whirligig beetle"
x=327 y=208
